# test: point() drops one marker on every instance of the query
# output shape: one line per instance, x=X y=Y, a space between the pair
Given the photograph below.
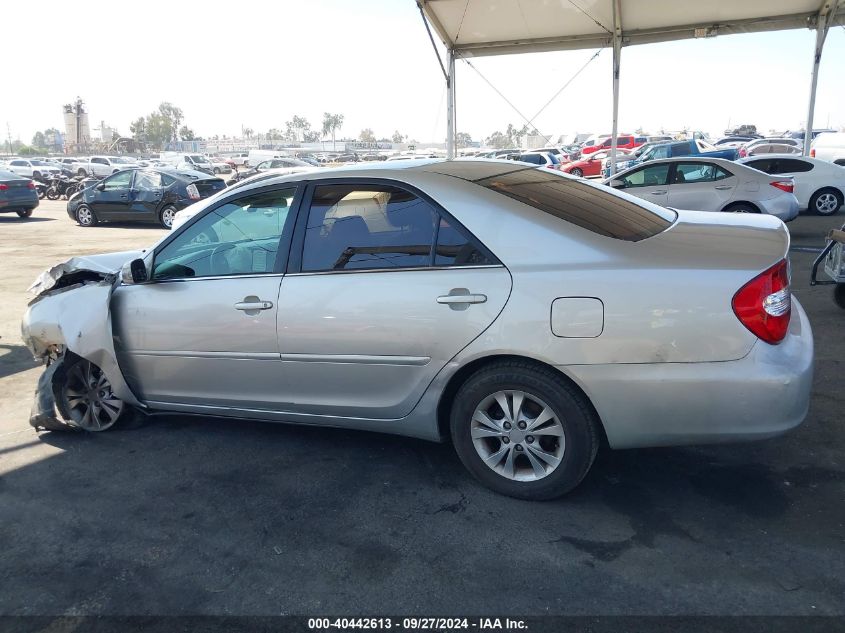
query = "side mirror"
x=101 y=186
x=617 y=184
x=134 y=272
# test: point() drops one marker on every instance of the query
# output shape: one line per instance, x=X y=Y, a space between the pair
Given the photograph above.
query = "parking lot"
x=189 y=515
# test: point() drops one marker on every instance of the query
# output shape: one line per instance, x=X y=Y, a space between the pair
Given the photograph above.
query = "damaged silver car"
x=519 y=312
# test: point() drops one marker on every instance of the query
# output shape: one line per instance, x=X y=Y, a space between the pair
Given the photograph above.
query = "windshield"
x=198 y=159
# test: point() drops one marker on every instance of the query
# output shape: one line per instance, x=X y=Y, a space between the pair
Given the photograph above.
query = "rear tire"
x=25 y=213
x=741 y=207
x=85 y=216
x=826 y=202
x=166 y=216
x=577 y=172
x=498 y=447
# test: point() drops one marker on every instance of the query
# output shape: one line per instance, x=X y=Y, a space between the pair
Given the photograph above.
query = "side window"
x=117 y=182
x=367 y=227
x=267 y=164
x=18 y=163
x=792 y=166
x=147 y=180
x=241 y=237
x=648 y=176
x=763 y=165
x=532 y=158
x=722 y=173
x=686 y=173
x=661 y=151
x=453 y=249
x=99 y=161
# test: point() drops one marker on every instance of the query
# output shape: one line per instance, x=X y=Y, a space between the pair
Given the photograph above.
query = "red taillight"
x=30 y=185
x=812 y=152
x=764 y=304
x=193 y=192
x=784 y=185
x=743 y=152
x=3 y=186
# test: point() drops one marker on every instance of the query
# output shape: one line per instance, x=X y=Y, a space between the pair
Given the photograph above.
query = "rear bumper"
x=782 y=207
x=19 y=202
x=762 y=395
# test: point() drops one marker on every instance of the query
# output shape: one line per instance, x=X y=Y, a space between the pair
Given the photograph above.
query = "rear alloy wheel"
x=25 y=213
x=741 y=207
x=826 y=202
x=576 y=172
x=523 y=430
x=87 y=398
x=166 y=216
x=84 y=216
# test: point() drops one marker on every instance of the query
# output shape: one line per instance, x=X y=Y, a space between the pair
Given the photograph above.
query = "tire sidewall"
x=93 y=217
x=161 y=216
x=579 y=437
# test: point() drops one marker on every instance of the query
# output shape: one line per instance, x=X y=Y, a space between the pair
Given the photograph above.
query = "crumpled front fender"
x=77 y=318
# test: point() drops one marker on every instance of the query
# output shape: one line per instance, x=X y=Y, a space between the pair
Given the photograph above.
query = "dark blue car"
x=17 y=194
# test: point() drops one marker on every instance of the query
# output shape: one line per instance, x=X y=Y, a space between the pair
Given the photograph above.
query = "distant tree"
x=274 y=134
x=186 y=133
x=26 y=150
x=38 y=140
x=138 y=128
x=331 y=124
x=398 y=137
x=515 y=135
x=367 y=136
x=497 y=140
x=297 y=128
x=462 y=139
x=158 y=130
x=311 y=136
x=248 y=132
x=172 y=114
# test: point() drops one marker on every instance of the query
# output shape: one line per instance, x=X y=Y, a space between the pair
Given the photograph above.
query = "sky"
x=256 y=64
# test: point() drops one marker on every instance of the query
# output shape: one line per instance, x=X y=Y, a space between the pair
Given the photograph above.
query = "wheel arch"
x=736 y=203
x=447 y=396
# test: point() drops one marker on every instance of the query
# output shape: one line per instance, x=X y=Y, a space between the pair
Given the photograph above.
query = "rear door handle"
x=723 y=187
x=658 y=192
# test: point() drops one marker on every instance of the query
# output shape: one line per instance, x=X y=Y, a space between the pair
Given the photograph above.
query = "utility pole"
x=9 y=136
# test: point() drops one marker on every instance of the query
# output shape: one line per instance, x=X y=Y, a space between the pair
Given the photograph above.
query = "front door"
x=110 y=199
x=202 y=332
x=648 y=182
x=700 y=186
x=375 y=312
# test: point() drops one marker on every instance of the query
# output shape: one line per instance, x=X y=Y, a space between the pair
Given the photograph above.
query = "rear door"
x=700 y=186
x=370 y=310
x=145 y=196
x=648 y=182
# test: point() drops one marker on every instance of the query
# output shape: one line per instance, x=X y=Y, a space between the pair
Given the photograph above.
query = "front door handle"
x=658 y=192
x=723 y=187
x=460 y=299
x=252 y=305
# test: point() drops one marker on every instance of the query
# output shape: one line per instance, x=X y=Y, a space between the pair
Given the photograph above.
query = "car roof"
x=810 y=159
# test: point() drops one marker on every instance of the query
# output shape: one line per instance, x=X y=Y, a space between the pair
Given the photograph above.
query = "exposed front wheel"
x=523 y=430
x=84 y=216
x=166 y=216
x=86 y=398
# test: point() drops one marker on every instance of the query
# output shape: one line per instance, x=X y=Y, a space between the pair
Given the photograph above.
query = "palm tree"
x=331 y=124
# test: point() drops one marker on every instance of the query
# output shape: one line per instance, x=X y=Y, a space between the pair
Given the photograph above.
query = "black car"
x=142 y=195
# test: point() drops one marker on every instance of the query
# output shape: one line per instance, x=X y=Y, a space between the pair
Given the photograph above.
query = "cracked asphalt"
x=190 y=515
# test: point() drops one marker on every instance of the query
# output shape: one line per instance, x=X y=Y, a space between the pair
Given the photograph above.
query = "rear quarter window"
x=587 y=206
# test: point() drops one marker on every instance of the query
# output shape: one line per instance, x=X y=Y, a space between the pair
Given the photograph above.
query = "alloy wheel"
x=89 y=398
x=84 y=216
x=167 y=216
x=826 y=203
x=517 y=435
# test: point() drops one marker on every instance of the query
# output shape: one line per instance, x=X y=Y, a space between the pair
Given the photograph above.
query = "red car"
x=622 y=142
x=590 y=165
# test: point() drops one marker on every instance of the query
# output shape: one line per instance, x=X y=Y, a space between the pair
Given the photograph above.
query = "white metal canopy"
x=474 y=28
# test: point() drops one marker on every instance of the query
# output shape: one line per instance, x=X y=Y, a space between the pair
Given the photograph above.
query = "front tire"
x=85 y=216
x=216 y=170
x=523 y=430
x=86 y=399
x=25 y=213
x=166 y=216
x=577 y=172
x=826 y=202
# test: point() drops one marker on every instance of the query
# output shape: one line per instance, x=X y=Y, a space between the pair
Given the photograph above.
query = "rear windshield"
x=589 y=206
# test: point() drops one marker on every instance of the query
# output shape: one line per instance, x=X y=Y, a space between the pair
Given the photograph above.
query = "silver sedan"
x=519 y=313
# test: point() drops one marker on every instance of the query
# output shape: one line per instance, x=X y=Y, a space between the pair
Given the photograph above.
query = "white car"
x=102 y=166
x=771 y=146
x=829 y=146
x=543 y=159
x=32 y=168
x=709 y=184
x=819 y=184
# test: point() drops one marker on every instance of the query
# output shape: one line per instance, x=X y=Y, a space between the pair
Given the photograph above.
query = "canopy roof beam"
x=827 y=14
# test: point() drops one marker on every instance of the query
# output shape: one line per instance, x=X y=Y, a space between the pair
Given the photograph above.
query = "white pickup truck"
x=102 y=166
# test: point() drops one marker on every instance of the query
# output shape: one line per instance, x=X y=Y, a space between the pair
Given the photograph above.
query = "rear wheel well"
x=741 y=203
x=444 y=406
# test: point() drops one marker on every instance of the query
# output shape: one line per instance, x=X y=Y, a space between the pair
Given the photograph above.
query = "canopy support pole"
x=451 y=149
x=617 y=56
x=826 y=15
